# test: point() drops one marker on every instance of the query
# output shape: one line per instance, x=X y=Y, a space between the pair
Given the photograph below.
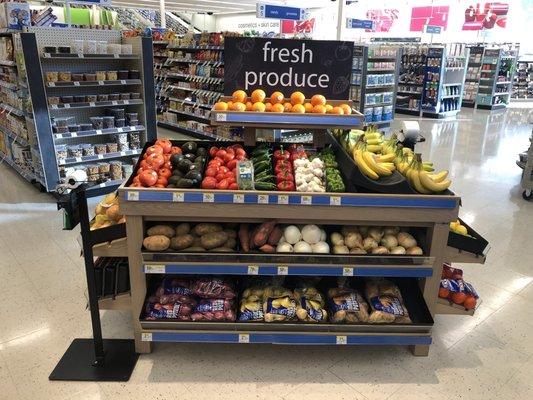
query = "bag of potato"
x=173 y=285
x=214 y=310
x=386 y=303
x=213 y=288
x=347 y=305
x=251 y=307
x=310 y=306
x=180 y=311
x=279 y=304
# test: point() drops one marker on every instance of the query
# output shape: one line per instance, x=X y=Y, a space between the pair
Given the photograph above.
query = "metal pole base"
x=78 y=362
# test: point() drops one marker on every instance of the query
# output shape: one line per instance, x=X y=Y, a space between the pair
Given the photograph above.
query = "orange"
x=237 y=106
x=221 y=106
x=230 y=105
x=268 y=107
x=287 y=107
x=443 y=293
x=277 y=97
x=258 y=95
x=337 y=110
x=329 y=107
x=298 y=108
x=470 y=302
x=259 y=106
x=346 y=108
x=278 y=107
x=297 y=98
x=249 y=106
x=308 y=107
x=318 y=99
x=319 y=109
x=239 y=95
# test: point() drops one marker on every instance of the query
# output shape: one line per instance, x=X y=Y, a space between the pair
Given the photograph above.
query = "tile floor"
x=487 y=356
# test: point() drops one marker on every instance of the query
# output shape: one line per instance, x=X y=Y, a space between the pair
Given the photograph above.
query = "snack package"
x=347 y=305
x=214 y=310
x=310 y=306
x=251 y=307
x=213 y=288
x=181 y=311
x=279 y=304
x=386 y=303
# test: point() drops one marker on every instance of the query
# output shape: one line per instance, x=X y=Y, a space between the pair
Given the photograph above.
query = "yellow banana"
x=374 y=141
x=427 y=168
x=439 y=177
x=390 y=166
x=372 y=136
x=389 y=157
x=376 y=167
x=374 y=148
x=415 y=178
x=363 y=167
x=431 y=185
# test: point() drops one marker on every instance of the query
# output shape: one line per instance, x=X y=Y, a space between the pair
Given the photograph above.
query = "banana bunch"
x=422 y=180
x=371 y=165
x=373 y=139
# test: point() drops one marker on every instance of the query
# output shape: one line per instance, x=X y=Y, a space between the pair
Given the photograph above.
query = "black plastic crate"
x=475 y=244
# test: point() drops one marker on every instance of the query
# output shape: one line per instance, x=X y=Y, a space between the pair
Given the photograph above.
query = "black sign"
x=309 y=66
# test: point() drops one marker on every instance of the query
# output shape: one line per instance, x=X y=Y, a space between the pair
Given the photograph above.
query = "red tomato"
x=211 y=171
x=228 y=157
x=240 y=151
x=214 y=163
x=209 y=183
x=154 y=149
x=155 y=161
x=148 y=177
x=233 y=186
x=236 y=146
x=162 y=181
x=165 y=172
x=458 y=297
x=229 y=174
x=144 y=164
x=160 y=185
x=231 y=180
x=223 y=169
x=136 y=184
x=240 y=157
x=231 y=165
x=223 y=184
x=175 y=150
x=135 y=179
x=221 y=154
x=165 y=144
x=168 y=165
x=219 y=177
x=213 y=151
x=230 y=150
x=166 y=157
x=221 y=160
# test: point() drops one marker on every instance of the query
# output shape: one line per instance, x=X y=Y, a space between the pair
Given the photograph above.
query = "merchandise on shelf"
x=107 y=213
x=455 y=290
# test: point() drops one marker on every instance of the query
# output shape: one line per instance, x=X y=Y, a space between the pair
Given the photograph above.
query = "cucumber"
x=264 y=178
x=265 y=186
x=262 y=166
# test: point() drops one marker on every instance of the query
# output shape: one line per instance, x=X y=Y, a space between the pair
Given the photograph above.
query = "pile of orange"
x=297 y=103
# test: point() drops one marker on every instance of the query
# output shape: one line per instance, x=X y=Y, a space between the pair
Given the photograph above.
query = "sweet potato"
x=262 y=232
x=181 y=242
x=244 y=237
x=275 y=236
x=213 y=239
x=165 y=230
x=266 y=248
x=205 y=228
x=156 y=243
x=183 y=229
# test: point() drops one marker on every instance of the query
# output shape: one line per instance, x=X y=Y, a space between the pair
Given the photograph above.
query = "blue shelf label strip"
x=307 y=119
x=295 y=199
x=289 y=338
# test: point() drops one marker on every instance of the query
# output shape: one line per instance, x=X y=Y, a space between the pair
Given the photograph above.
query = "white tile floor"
x=487 y=356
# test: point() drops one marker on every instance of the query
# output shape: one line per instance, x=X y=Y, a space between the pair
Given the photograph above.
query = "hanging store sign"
x=310 y=66
x=281 y=12
x=353 y=23
x=433 y=29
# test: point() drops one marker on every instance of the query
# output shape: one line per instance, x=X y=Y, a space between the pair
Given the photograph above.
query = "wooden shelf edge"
x=454 y=255
x=115 y=248
x=445 y=307
x=120 y=302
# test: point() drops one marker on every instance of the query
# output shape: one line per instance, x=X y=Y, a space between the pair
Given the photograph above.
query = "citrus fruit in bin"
x=337 y=110
x=249 y=106
x=318 y=99
x=237 y=106
x=278 y=108
x=258 y=96
x=308 y=107
x=346 y=108
x=259 y=107
x=319 y=109
x=329 y=107
x=239 y=96
x=297 y=98
x=221 y=106
x=298 y=108
x=287 y=107
x=268 y=107
x=277 y=97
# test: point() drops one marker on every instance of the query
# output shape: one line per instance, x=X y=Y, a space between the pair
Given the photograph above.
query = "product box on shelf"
x=15 y=15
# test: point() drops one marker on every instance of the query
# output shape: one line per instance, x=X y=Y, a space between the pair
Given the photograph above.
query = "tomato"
x=148 y=177
x=166 y=157
x=162 y=181
x=228 y=157
x=230 y=150
x=231 y=180
x=221 y=154
x=240 y=151
x=160 y=185
x=233 y=186
x=214 y=163
x=213 y=151
x=229 y=174
x=240 y=157
x=223 y=184
x=284 y=176
x=470 y=302
x=286 y=186
x=211 y=171
x=236 y=146
x=155 y=161
x=165 y=144
x=231 y=165
x=221 y=160
x=154 y=149
x=144 y=164
x=168 y=165
x=223 y=169
x=219 y=177
x=282 y=154
x=165 y=172
x=136 y=184
x=209 y=183
x=135 y=179
x=458 y=297
x=175 y=150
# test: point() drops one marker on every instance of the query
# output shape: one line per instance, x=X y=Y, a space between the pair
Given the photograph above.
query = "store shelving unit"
x=374 y=78
x=473 y=73
x=411 y=79
x=523 y=80
x=37 y=63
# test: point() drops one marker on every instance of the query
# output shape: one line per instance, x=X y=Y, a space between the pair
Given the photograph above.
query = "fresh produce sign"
x=308 y=66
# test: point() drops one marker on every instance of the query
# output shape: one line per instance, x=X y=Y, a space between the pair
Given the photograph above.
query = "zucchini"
x=264 y=186
x=264 y=178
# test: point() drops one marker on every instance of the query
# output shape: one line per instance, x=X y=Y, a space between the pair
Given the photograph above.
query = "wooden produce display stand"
x=419 y=275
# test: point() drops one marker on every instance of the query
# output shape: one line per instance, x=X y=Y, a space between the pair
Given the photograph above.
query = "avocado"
x=177 y=172
x=201 y=151
x=184 y=165
x=171 y=186
x=190 y=156
x=194 y=175
x=185 y=183
x=189 y=147
x=175 y=158
x=174 y=179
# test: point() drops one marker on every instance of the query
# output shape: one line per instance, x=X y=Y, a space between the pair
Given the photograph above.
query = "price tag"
x=154 y=268
x=51 y=84
x=122 y=153
x=283 y=270
x=59 y=136
x=334 y=201
x=54 y=106
x=307 y=200
x=146 y=337
x=221 y=117
x=208 y=198
x=114 y=103
x=340 y=339
x=91 y=104
x=78 y=159
x=66 y=105
x=244 y=338
x=238 y=198
x=253 y=269
x=74 y=134
x=100 y=156
x=262 y=199
x=116 y=56
x=46 y=55
x=98 y=131
x=123 y=82
x=133 y=196
x=61 y=162
x=347 y=271
x=76 y=83
x=119 y=130
x=283 y=199
x=101 y=83
x=178 y=197
x=126 y=102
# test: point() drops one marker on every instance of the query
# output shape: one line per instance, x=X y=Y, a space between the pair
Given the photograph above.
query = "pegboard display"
x=47 y=36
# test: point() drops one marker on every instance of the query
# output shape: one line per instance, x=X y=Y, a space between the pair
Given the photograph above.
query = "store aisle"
x=488 y=356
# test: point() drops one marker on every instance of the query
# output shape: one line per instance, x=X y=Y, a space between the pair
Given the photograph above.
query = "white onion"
x=376 y=233
x=340 y=249
x=357 y=250
x=353 y=239
x=302 y=247
x=292 y=234
x=323 y=235
x=337 y=239
x=406 y=240
x=389 y=241
x=397 y=250
x=415 y=250
x=391 y=230
x=311 y=234
x=320 y=247
x=380 y=250
x=284 y=248
x=369 y=243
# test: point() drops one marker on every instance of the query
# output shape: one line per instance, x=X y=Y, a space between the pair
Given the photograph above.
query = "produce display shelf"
x=193 y=61
x=196 y=117
x=326 y=338
x=96 y=104
x=30 y=177
x=96 y=132
x=70 y=56
x=94 y=83
x=186 y=131
x=8 y=85
x=97 y=157
x=114 y=248
x=17 y=138
x=455 y=255
x=447 y=308
x=110 y=183
x=160 y=42
x=6 y=63
x=196 y=48
x=11 y=109
x=119 y=302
